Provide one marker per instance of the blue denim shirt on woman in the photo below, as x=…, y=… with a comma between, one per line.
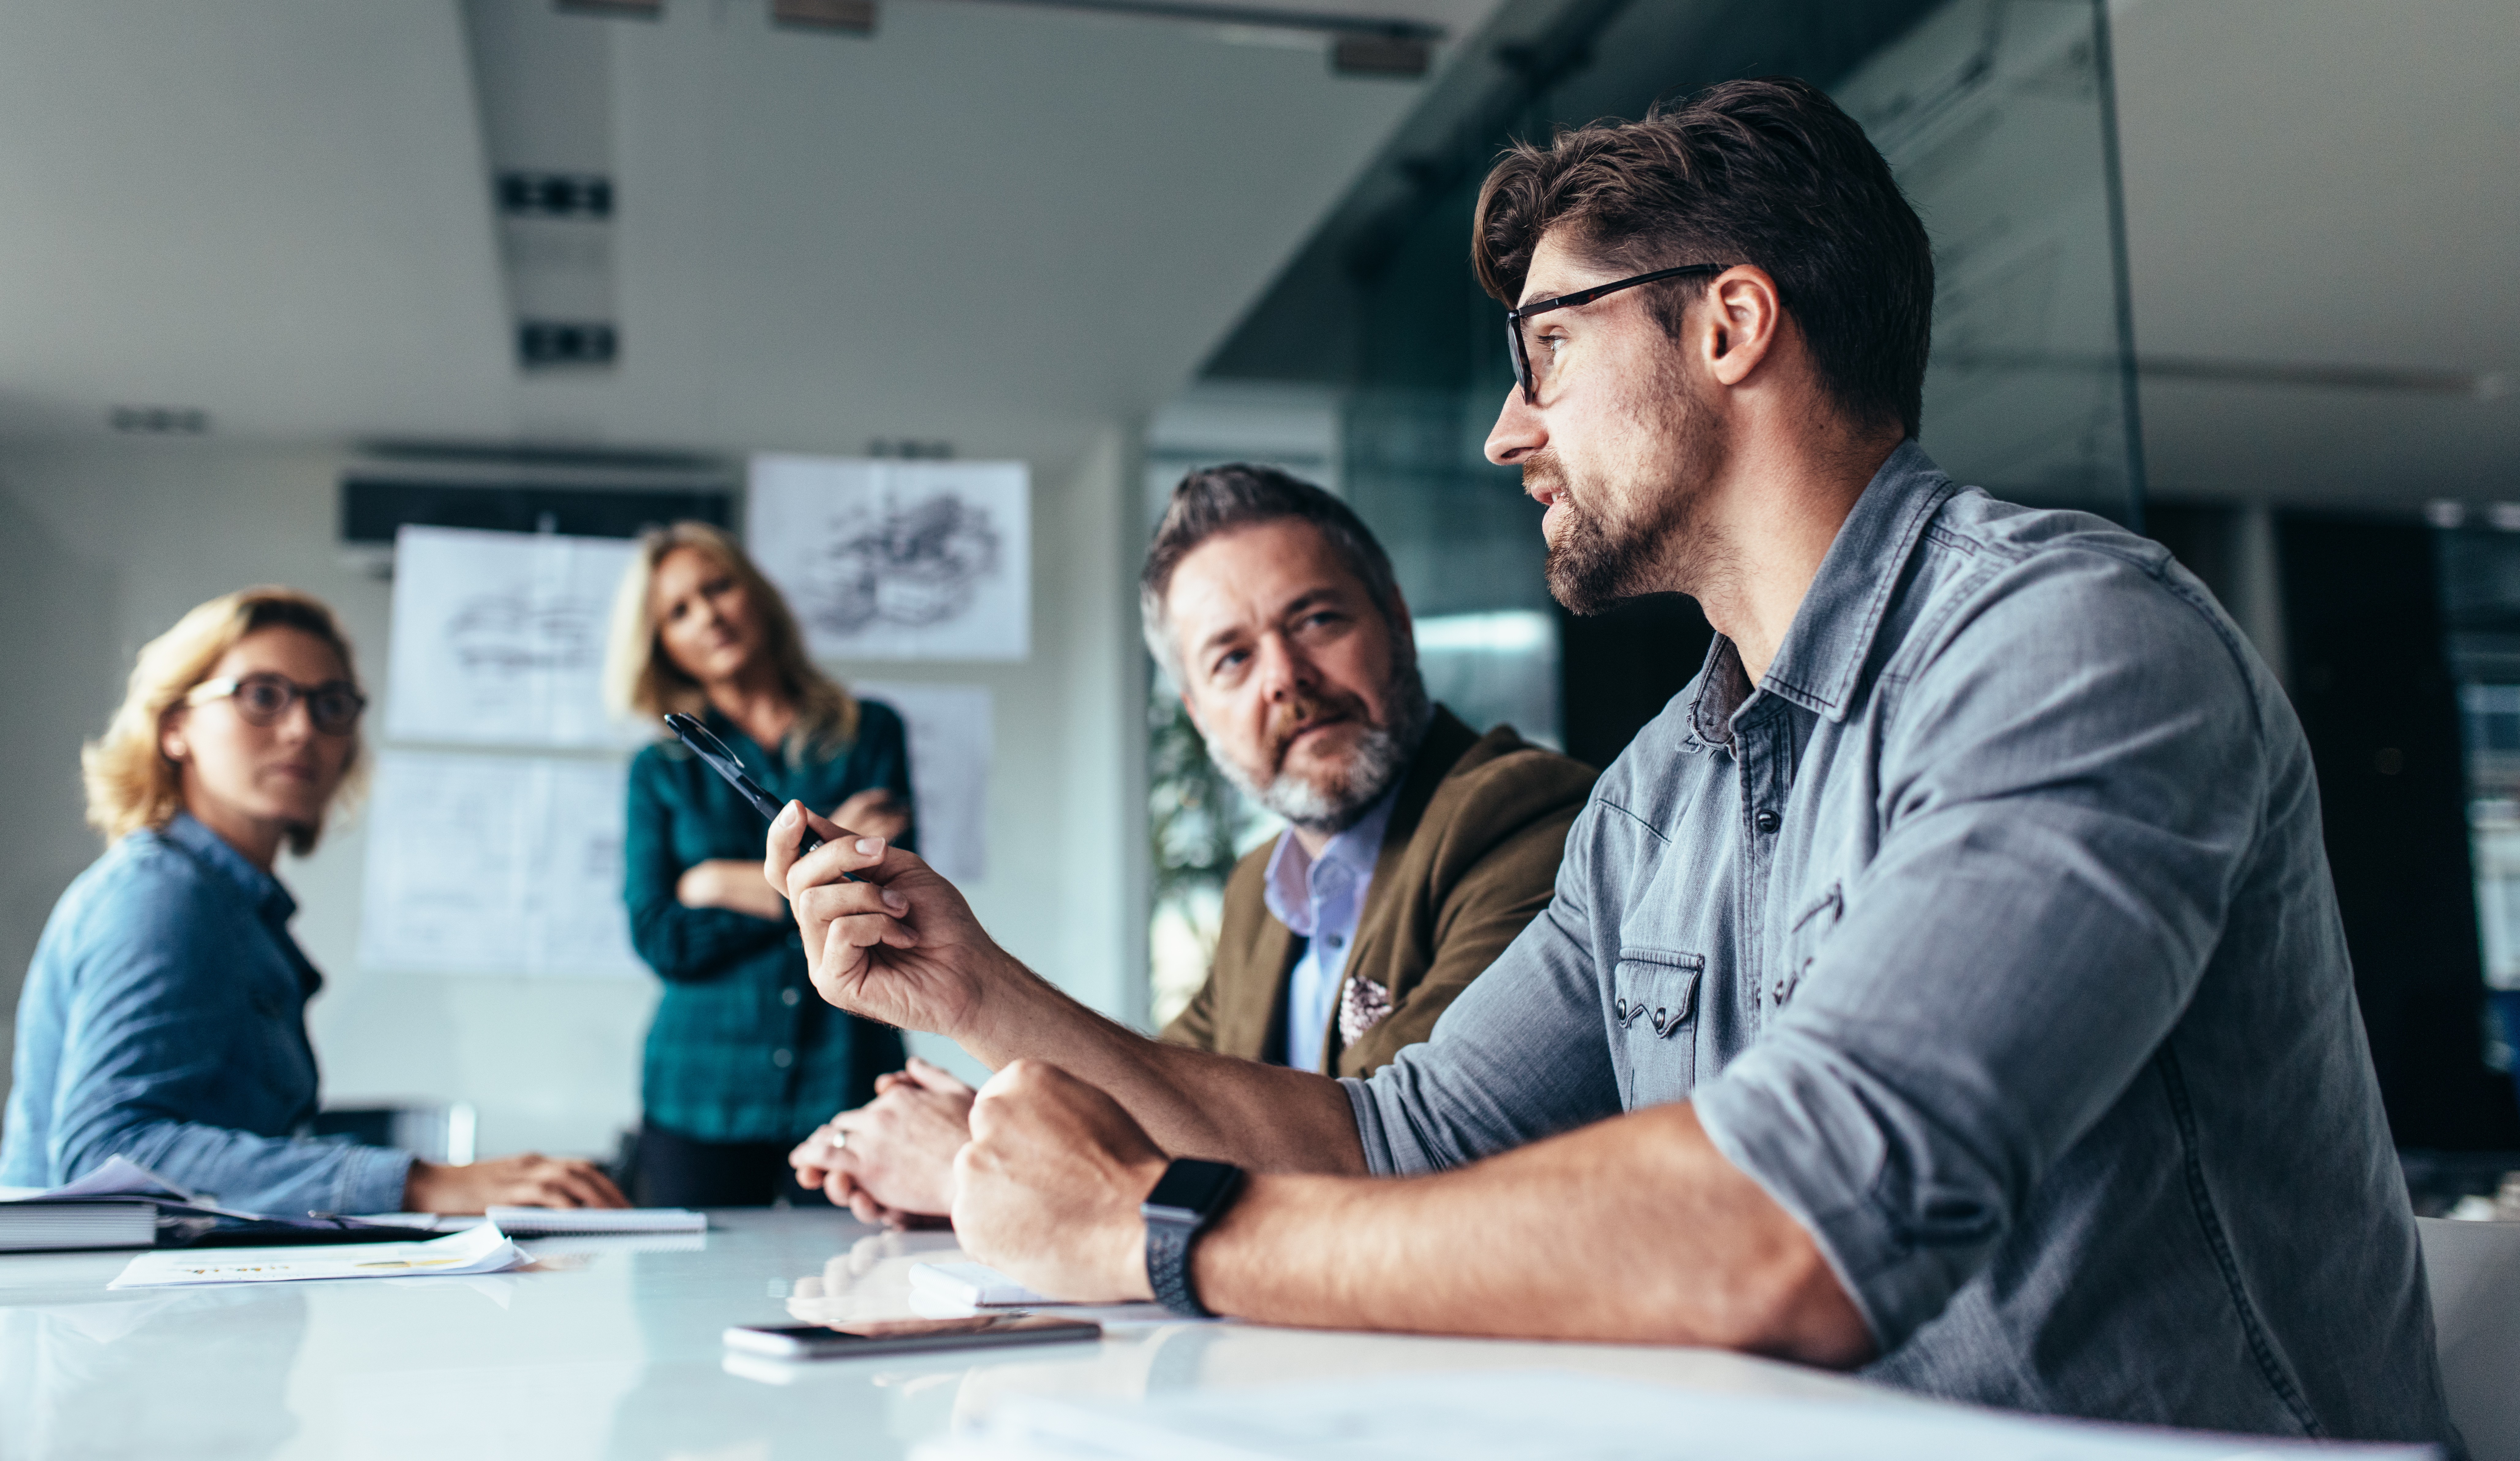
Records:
x=164, y=1020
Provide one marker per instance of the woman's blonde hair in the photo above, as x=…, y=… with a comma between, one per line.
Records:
x=131, y=783
x=639, y=679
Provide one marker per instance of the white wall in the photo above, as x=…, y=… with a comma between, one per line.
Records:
x=104, y=544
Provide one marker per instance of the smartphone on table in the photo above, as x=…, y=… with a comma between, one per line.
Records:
x=905, y=1336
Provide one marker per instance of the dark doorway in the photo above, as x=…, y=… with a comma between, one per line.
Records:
x=2372, y=684
x=1620, y=668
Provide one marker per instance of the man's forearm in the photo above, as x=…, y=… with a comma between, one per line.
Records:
x=1193, y=1103
x=1635, y=1229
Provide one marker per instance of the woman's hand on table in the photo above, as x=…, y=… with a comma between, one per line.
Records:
x=731, y=884
x=891, y=1161
x=528, y=1179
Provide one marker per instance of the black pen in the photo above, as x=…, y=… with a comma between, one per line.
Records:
x=711, y=749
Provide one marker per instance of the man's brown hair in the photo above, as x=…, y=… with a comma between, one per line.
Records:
x=1766, y=172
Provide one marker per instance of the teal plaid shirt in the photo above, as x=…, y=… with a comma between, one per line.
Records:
x=742, y=1048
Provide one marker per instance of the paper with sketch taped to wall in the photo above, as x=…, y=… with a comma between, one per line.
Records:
x=492, y=864
x=479, y=1250
x=498, y=638
x=884, y=560
x=1507, y=1415
x=950, y=735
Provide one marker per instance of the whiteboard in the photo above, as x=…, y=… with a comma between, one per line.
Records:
x=498, y=638
x=897, y=559
x=496, y=865
x=950, y=735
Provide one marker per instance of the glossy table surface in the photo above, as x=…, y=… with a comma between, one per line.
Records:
x=609, y=1347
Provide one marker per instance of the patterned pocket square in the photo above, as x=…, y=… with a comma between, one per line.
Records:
x=1362, y=1008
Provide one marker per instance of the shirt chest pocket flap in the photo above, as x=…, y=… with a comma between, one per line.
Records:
x=1654, y=1004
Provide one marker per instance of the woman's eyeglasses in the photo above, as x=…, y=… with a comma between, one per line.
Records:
x=333, y=706
x=1523, y=374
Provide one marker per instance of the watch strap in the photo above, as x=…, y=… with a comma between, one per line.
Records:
x=1168, y=1269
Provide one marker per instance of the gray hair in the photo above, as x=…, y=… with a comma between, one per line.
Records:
x=1217, y=500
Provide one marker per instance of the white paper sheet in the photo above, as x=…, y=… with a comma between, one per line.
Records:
x=972, y=1286
x=521, y=1223
x=897, y=559
x=480, y=1250
x=498, y=638
x=483, y=864
x=116, y=1176
x=951, y=734
x=1566, y=1416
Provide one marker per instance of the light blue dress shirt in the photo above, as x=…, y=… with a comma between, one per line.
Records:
x=164, y=1020
x=1321, y=898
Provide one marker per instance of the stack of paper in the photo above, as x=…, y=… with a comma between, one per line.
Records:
x=480, y=1250
x=115, y=1206
x=27, y=1226
x=527, y=1222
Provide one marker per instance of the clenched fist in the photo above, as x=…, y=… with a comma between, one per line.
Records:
x=1047, y=1189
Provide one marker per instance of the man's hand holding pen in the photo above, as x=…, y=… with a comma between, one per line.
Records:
x=886, y=936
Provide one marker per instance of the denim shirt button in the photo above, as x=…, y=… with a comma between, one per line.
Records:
x=1766, y=820
x=788, y=997
x=781, y=1058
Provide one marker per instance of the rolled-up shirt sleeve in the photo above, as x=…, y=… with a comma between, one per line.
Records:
x=2054, y=867
x=1520, y=1056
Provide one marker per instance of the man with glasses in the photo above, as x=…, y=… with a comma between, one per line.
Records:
x=1949, y=981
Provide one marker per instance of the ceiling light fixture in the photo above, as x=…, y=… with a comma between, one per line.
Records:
x=1360, y=45
x=851, y=17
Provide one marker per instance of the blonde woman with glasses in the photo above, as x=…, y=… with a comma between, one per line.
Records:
x=744, y=1060
x=164, y=1016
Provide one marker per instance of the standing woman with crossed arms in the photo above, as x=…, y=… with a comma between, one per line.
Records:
x=742, y=1061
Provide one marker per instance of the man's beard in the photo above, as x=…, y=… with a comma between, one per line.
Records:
x=1380, y=759
x=1662, y=543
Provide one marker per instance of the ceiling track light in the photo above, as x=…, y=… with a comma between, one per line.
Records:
x=1360, y=45
x=849, y=17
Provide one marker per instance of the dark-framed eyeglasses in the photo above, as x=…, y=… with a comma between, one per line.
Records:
x=262, y=698
x=1521, y=347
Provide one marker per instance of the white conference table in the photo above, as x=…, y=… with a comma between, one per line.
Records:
x=609, y=1347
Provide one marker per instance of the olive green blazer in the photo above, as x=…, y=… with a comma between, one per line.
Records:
x=1470, y=856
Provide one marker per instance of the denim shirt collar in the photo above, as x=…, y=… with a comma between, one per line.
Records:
x=1825, y=648
x=261, y=889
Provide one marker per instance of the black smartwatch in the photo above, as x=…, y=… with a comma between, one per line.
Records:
x=1186, y=1199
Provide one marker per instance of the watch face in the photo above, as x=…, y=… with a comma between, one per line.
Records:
x=1192, y=1188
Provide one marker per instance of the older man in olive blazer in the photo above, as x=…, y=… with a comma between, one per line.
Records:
x=1468, y=857
x=1416, y=849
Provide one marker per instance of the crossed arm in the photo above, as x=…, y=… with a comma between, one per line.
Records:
x=1632, y=1229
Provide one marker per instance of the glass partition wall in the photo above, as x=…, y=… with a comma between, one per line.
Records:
x=1997, y=118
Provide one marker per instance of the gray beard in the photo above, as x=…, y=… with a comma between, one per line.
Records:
x=1381, y=758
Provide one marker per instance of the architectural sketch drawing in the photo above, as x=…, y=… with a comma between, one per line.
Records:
x=951, y=732
x=494, y=864
x=897, y=559
x=498, y=638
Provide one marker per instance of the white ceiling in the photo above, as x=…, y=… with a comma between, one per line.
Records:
x=1003, y=225
x=2324, y=183
x=993, y=224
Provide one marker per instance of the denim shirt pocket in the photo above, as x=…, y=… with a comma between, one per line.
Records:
x=1653, y=1005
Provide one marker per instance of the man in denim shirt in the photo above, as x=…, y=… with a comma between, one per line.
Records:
x=1948, y=982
